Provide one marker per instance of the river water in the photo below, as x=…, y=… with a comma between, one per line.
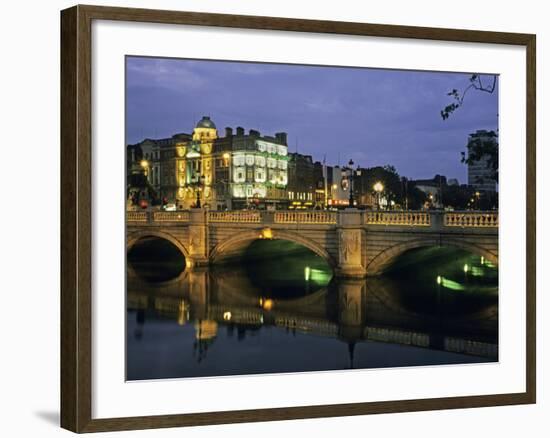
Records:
x=278, y=309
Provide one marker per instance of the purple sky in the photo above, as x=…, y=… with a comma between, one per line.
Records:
x=376, y=117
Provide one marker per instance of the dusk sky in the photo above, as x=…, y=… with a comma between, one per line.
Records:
x=376, y=117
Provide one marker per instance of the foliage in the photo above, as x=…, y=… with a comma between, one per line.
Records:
x=397, y=189
x=476, y=83
x=483, y=150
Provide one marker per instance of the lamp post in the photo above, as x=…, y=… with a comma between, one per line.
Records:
x=227, y=191
x=351, y=201
x=378, y=188
x=199, y=188
x=145, y=165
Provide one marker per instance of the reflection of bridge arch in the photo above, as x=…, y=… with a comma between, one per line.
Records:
x=241, y=238
x=175, y=283
x=382, y=291
x=386, y=257
x=146, y=233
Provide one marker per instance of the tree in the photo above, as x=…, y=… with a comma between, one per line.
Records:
x=416, y=198
x=476, y=83
x=486, y=149
x=477, y=149
x=458, y=197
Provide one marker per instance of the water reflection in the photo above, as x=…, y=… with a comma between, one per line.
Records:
x=278, y=317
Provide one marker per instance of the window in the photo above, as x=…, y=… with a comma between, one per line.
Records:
x=260, y=161
x=260, y=175
x=238, y=174
x=239, y=160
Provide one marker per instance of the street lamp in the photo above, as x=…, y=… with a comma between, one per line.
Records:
x=351, y=202
x=227, y=189
x=199, y=188
x=378, y=188
x=145, y=165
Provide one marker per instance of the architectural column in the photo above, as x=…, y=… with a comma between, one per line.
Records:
x=350, y=243
x=198, y=239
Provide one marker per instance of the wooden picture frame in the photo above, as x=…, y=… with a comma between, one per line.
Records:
x=76, y=217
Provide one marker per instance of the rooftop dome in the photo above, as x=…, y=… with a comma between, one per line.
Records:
x=205, y=122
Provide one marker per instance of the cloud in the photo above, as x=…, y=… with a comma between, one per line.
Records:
x=374, y=116
x=163, y=73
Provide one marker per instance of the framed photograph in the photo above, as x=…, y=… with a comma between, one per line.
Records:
x=270, y=218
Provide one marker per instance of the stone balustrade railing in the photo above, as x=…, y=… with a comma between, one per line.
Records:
x=243, y=216
x=136, y=216
x=455, y=219
x=171, y=216
x=407, y=218
x=305, y=217
x=471, y=219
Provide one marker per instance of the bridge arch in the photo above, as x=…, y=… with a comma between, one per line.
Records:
x=132, y=238
x=382, y=260
x=241, y=238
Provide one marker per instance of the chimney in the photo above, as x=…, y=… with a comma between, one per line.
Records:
x=281, y=136
x=240, y=130
x=228, y=131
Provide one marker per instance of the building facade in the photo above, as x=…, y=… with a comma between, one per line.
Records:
x=202, y=169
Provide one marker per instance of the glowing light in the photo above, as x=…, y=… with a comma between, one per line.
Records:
x=466, y=267
x=438, y=279
x=450, y=284
x=482, y=260
x=307, y=272
x=227, y=316
x=477, y=272
x=320, y=276
x=182, y=313
x=226, y=156
x=378, y=187
x=266, y=233
x=188, y=263
x=144, y=164
x=267, y=304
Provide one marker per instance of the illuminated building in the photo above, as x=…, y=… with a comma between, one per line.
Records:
x=231, y=172
x=251, y=169
x=302, y=184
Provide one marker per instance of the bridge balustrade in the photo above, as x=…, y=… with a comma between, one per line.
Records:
x=434, y=219
x=407, y=218
x=305, y=217
x=136, y=216
x=471, y=219
x=171, y=216
x=242, y=216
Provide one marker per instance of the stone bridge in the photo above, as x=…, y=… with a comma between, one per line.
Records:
x=354, y=243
